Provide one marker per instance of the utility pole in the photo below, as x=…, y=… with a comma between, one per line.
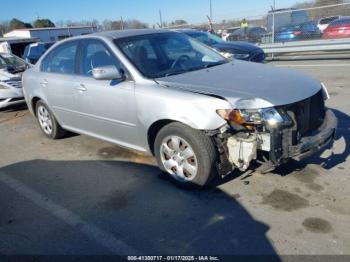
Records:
x=273, y=20
x=211, y=10
x=121, y=23
x=160, y=18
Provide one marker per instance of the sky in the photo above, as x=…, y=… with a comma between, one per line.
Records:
x=193, y=11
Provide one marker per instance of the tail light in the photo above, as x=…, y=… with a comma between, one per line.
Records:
x=297, y=33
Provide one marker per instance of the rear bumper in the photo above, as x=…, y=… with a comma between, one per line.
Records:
x=11, y=96
x=313, y=144
x=11, y=102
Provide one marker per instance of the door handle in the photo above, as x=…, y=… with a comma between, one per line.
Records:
x=44, y=83
x=81, y=88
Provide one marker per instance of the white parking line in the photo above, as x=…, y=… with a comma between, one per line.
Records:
x=94, y=233
x=315, y=65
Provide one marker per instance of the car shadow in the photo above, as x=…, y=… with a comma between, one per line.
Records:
x=129, y=201
x=330, y=161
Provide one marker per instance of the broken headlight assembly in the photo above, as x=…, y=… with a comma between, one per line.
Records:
x=251, y=117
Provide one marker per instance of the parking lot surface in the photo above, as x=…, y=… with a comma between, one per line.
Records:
x=80, y=195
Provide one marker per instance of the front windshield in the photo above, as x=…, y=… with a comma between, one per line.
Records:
x=206, y=38
x=7, y=60
x=164, y=54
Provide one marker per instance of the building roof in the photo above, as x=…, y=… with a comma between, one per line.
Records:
x=53, y=28
x=18, y=39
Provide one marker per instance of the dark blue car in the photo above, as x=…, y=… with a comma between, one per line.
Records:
x=237, y=49
x=34, y=51
x=304, y=31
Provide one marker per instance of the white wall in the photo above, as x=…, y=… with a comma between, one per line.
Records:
x=50, y=35
x=18, y=33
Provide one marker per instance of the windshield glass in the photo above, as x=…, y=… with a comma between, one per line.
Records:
x=206, y=38
x=7, y=60
x=164, y=54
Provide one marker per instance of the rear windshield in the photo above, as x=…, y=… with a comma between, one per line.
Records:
x=206, y=38
x=341, y=21
x=328, y=20
x=288, y=28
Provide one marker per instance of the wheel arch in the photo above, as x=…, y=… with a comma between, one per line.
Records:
x=153, y=131
x=33, y=103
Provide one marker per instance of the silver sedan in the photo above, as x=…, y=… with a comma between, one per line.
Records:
x=162, y=92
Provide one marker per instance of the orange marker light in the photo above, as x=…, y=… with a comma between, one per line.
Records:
x=235, y=116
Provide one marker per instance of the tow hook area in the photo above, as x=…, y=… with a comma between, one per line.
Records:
x=242, y=149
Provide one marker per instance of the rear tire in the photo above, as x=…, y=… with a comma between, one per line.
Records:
x=186, y=155
x=47, y=121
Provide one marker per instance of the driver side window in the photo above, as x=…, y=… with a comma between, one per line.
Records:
x=94, y=54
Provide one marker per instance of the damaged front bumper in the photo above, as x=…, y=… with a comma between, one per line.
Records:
x=313, y=144
x=273, y=146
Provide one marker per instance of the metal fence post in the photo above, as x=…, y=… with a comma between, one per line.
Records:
x=273, y=25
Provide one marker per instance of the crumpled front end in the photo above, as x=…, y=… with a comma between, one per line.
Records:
x=297, y=131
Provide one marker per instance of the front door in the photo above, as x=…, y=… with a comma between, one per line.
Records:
x=107, y=107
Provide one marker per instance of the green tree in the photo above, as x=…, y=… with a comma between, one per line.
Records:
x=39, y=23
x=18, y=24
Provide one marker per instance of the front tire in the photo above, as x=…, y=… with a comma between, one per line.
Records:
x=47, y=121
x=187, y=155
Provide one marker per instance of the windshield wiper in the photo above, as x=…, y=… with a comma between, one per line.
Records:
x=174, y=73
x=214, y=64
x=195, y=68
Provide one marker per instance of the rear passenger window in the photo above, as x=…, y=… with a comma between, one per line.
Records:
x=61, y=59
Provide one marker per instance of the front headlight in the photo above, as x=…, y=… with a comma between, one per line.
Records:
x=3, y=86
x=269, y=116
x=241, y=56
x=226, y=54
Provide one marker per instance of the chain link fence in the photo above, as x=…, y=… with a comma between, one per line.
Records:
x=284, y=25
x=314, y=23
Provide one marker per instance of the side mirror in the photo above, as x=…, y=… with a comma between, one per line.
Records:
x=109, y=72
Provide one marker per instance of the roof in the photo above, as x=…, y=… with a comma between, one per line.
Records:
x=186, y=30
x=130, y=32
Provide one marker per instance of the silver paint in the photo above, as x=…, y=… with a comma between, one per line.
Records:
x=123, y=113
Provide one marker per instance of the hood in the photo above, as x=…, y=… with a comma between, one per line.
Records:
x=5, y=75
x=237, y=46
x=247, y=85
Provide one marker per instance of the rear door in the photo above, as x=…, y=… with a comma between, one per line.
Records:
x=57, y=81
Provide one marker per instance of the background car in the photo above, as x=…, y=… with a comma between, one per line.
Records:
x=324, y=22
x=237, y=49
x=304, y=31
x=11, y=68
x=339, y=28
x=34, y=51
x=253, y=35
x=227, y=32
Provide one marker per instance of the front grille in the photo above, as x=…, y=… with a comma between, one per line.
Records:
x=16, y=84
x=309, y=115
